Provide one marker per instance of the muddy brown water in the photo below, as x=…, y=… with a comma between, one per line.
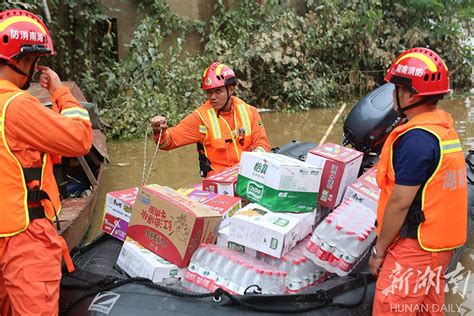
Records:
x=179, y=168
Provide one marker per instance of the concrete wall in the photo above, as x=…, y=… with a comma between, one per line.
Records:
x=126, y=12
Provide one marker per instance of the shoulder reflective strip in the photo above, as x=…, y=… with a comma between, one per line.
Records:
x=260, y=149
x=18, y=19
x=451, y=146
x=76, y=112
x=216, y=130
x=244, y=115
x=428, y=62
x=202, y=129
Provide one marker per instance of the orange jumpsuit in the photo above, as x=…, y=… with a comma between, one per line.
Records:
x=30, y=261
x=187, y=131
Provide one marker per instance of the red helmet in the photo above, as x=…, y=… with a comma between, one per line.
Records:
x=421, y=71
x=23, y=33
x=217, y=75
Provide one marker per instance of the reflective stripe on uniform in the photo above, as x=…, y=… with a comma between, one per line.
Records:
x=76, y=112
x=202, y=129
x=244, y=116
x=216, y=130
x=451, y=146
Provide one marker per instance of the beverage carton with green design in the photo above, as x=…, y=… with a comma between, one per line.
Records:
x=269, y=232
x=137, y=261
x=277, y=182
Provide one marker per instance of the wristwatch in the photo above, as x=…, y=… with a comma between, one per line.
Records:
x=375, y=253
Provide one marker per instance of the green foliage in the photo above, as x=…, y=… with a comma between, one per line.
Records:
x=284, y=59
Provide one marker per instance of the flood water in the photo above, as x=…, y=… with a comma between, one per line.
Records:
x=179, y=168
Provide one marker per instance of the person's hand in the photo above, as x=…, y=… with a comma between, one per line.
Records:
x=159, y=123
x=49, y=79
x=375, y=264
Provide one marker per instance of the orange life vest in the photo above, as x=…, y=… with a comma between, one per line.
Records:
x=14, y=216
x=224, y=146
x=444, y=196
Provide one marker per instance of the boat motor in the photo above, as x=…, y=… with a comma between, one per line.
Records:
x=371, y=120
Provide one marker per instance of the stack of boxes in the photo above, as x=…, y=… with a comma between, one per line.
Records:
x=165, y=226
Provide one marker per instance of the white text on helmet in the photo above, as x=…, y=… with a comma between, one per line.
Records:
x=413, y=71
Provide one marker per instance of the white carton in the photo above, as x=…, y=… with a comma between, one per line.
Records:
x=277, y=182
x=137, y=261
x=364, y=190
x=340, y=167
x=307, y=223
x=223, y=242
x=263, y=230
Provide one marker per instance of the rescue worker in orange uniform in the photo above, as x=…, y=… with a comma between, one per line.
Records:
x=422, y=211
x=31, y=135
x=223, y=127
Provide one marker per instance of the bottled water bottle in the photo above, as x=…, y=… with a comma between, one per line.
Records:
x=190, y=279
x=295, y=282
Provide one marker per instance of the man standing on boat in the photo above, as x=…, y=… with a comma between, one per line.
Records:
x=223, y=127
x=422, y=211
x=31, y=134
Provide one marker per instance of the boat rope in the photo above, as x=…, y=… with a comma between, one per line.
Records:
x=323, y=297
x=145, y=180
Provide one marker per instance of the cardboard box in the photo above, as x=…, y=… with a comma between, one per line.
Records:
x=225, y=205
x=223, y=242
x=269, y=232
x=307, y=223
x=114, y=226
x=137, y=261
x=277, y=182
x=117, y=212
x=222, y=183
x=365, y=190
x=340, y=168
x=170, y=224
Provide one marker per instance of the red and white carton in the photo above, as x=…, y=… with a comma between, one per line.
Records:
x=170, y=224
x=225, y=205
x=117, y=212
x=365, y=190
x=340, y=168
x=222, y=183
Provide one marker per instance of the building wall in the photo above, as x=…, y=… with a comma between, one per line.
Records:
x=126, y=12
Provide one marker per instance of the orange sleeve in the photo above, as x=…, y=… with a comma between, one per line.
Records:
x=185, y=133
x=67, y=134
x=259, y=136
